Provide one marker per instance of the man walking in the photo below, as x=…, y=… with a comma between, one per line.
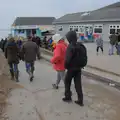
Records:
x=29, y=52
x=12, y=55
x=76, y=59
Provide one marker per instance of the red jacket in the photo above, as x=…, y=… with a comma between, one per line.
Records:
x=59, y=56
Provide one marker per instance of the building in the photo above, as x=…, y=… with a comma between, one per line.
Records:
x=104, y=21
x=26, y=26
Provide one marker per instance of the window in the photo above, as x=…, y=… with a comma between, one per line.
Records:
x=60, y=28
x=71, y=29
x=98, y=30
x=76, y=29
x=118, y=30
x=112, y=31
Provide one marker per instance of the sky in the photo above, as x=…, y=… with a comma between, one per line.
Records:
x=10, y=9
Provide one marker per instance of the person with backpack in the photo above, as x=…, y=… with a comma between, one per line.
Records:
x=76, y=59
x=59, y=58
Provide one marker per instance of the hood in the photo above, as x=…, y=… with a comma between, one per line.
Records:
x=71, y=37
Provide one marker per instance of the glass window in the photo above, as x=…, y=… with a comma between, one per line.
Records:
x=117, y=26
x=114, y=26
x=110, y=26
x=118, y=30
x=98, y=30
x=71, y=29
x=60, y=28
x=112, y=31
x=76, y=29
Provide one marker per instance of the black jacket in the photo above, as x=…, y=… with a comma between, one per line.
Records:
x=70, y=60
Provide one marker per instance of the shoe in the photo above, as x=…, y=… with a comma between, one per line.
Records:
x=67, y=99
x=31, y=78
x=79, y=103
x=55, y=86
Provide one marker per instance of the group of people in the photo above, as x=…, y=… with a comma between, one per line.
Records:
x=114, y=43
x=17, y=50
x=71, y=57
x=68, y=61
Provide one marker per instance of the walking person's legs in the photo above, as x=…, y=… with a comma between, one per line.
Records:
x=28, y=70
x=11, y=70
x=60, y=76
x=97, y=49
x=16, y=72
x=78, y=87
x=68, y=80
x=101, y=49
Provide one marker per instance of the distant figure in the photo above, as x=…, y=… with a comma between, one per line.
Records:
x=99, y=42
x=58, y=58
x=113, y=40
x=29, y=52
x=1, y=44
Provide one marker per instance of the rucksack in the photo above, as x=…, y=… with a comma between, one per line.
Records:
x=80, y=55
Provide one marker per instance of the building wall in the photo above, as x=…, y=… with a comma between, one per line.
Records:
x=105, y=28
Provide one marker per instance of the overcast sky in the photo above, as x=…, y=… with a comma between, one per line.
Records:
x=10, y=9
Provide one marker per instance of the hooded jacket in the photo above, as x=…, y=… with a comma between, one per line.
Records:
x=12, y=52
x=59, y=56
x=70, y=60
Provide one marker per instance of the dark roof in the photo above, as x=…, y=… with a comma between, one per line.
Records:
x=108, y=13
x=33, y=21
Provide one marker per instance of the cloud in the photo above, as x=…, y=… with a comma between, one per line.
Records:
x=9, y=9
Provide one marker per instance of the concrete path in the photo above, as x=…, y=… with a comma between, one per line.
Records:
x=38, y=101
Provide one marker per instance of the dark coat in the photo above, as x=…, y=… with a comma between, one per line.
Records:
x=29, y=51
x=69, y=62
x=12, y=52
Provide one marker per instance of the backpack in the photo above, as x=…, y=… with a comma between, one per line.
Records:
x=80, y=55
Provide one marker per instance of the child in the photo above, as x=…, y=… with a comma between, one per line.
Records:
x=59, y=58
x=99, y=42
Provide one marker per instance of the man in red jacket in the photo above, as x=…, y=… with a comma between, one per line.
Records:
x=59, y=58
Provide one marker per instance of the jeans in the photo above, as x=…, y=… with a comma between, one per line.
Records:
x=29, y=67
x=76, y=74
x=14, y=70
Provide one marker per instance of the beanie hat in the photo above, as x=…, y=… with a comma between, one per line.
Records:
x=56, y=37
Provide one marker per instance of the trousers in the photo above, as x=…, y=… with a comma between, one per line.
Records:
x=30, y=67
x=76, y=75
x=60, y=76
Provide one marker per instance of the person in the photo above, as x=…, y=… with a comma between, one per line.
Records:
x=1, y=44
x=113, y=40
x=12, y=55
x=59, y=58
x=75, y=60
x=29, y=51
x=45, y=42
x=19, y=43
x=99, y=42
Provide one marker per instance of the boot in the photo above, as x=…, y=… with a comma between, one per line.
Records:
x=17, y=76
x=79, y=103
x=12, y=75
x=66, y=99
